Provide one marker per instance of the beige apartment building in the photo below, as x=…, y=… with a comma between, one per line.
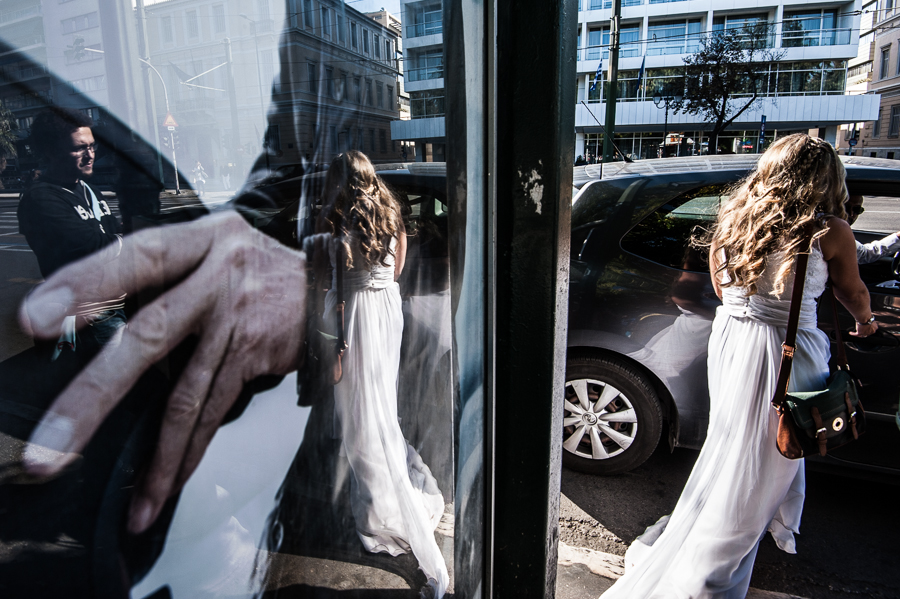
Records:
x=881, y=138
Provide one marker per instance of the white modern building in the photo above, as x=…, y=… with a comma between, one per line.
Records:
x=807, y=87
x=423, y=69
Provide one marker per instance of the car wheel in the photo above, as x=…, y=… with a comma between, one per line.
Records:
x=612, y=419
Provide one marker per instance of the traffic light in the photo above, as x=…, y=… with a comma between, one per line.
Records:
x=166, y=141
x=176, y=140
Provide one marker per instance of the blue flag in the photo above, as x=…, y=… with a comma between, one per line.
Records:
x=641, y=73
x=597, y=75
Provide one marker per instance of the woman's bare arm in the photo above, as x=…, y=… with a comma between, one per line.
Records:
x=839, y=250
x=400, y=255
x=714, y=264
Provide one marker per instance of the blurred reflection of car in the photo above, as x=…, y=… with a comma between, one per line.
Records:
x=641, y=306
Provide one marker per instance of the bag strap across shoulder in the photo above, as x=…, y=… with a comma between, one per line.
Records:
x=790, y=338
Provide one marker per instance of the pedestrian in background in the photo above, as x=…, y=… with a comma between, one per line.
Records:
x=741, y=486
x=64, y=219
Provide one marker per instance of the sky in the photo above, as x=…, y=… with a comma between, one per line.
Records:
x=392, y=6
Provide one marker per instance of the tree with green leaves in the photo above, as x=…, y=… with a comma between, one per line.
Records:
x=728, y=76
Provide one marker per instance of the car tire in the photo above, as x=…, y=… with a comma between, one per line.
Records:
x=622, y=424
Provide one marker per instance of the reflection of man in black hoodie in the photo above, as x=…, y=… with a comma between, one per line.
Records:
x=64, y=219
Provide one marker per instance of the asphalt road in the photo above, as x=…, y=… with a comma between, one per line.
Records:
x=848, y=546
x=881, y=215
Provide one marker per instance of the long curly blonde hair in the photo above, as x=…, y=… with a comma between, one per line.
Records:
x=358, y=208
x=776, y=208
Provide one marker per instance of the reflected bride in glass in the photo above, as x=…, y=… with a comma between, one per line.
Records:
x=395, y=500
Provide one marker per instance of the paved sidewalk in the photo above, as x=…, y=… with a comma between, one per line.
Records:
x=584, y=573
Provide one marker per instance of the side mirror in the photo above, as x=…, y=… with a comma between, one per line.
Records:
x=895, y=266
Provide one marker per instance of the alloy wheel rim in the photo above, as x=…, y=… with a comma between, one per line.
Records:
x=599, y=421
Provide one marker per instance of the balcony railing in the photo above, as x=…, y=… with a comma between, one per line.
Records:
x=815, y=37
x=601, y=4
x=420, y=29
x=674, y=44
x=425, y=74
x=15, y=15
x=595, y=52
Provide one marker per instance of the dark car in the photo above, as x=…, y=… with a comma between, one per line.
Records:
x=641, y=306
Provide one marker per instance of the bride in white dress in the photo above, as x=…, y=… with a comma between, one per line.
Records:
x=741, y=486
x=395, y=500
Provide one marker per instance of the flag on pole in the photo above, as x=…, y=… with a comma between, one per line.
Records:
x=641, y=74
x=597, y=75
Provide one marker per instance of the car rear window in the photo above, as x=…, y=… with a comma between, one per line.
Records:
x=664, y=236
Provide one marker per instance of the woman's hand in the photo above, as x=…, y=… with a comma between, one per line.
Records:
x=241, y=292
x=864, y=330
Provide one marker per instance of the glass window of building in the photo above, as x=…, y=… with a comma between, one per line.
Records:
x=894, y=128
x=312, y=77
x=166, y=26
x=815, y=27
x=326, y=22
x=353, y=36
x=219, y=18
x=885, y=62
x=329, y=82
x=673, y=37
x=308, y=14
x=427, y=20
x=754, y=28
x=193, y=26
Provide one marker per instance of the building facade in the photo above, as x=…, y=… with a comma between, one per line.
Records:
x=806, y=87
x=880, y=137
x=423, y=60
x=307, y=83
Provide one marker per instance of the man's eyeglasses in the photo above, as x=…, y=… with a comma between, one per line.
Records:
x=82, y=150
x=855, y=210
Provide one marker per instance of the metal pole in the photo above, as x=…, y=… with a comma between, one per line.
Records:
x=665, y=128
x=612, y=81
x=171, y=134
x=232, y=100
x=145, y=78
x=262, y=107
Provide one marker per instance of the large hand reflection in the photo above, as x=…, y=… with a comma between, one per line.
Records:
x=239, y=291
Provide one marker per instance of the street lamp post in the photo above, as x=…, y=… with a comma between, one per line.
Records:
x=171, y=134
x=262, y=108
x=675, y=102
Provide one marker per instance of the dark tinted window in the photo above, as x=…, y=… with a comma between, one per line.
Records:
x=664, y=236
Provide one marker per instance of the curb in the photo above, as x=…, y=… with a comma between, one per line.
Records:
x=610, y=566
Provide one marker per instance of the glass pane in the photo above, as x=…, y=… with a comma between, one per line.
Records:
x=191, y=153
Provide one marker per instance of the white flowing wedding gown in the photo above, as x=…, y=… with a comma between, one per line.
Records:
x=740, y=486
x=395, y=500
